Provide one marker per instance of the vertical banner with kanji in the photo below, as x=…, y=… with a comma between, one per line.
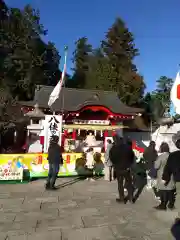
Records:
x=52, y=127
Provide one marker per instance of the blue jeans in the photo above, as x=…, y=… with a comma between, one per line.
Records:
x=52, y=174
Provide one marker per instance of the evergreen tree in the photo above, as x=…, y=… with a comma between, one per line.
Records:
x=119, y=49
x=25, y=60
x=100, y=74
x=81, y=65
x=162, y=92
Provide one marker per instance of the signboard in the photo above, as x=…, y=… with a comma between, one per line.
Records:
x=52, y=127
x=11, y=170
x=92, y=122
x=37, y=164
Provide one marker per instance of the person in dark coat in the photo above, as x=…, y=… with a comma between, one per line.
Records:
x=55, y=160
x=150, y=155
x=122, y=158
x=173, y=165
x=172, y=168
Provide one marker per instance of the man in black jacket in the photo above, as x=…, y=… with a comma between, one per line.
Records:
x=173, y=167
x=122, y=158
x=55, y=160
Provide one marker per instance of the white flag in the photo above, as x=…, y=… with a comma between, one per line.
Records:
x=175, y=92
x=56, y=91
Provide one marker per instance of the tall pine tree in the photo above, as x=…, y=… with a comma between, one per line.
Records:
x=81, y=65
x=119, y=48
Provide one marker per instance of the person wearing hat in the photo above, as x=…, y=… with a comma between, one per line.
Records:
x=55, y=160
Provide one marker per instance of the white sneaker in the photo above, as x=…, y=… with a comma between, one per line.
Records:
x=148, y=187
x=158, y=199
x=92, y=180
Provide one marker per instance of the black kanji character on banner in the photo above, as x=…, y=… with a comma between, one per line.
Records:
x=53, y=125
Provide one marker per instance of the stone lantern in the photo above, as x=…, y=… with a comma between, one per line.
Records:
x=36, y=121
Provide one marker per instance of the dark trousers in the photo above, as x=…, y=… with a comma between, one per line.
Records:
x=124, y=178
x=111, y=173
x=156, y=192
x=140, y=181
x=52, y=174
x=114, y=174
x=168, y=198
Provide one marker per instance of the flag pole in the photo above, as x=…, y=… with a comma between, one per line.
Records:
x=64, y=79
x=65, y=60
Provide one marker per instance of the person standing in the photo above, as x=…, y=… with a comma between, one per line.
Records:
x=150, y=155
x=109, y=174
x=166, y=191
x=55, y=160
x=90, y=163
x=172, y=168
x=122, y=158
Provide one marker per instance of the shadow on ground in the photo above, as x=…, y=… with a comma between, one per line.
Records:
x=75, y=180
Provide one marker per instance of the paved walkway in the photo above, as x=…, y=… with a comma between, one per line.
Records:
x=79, y=210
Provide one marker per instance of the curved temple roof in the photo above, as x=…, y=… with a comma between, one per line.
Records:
x=73, y=100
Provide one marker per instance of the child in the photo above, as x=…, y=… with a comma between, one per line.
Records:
x=90, y=163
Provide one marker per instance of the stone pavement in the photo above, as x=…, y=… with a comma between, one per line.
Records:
x=80, y=210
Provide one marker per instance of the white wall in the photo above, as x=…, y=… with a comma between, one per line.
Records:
x=164, y=134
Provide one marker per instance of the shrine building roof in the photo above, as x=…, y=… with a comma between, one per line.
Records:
x=73, y=100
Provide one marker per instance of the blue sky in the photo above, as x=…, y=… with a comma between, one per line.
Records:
x=155, y=24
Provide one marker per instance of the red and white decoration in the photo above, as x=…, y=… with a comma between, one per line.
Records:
x=175, y=94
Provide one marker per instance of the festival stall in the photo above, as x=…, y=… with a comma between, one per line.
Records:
x=13, y=165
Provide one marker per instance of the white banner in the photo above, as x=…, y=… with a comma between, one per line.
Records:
x=52, y=127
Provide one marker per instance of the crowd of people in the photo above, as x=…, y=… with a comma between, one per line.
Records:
x=157, y=170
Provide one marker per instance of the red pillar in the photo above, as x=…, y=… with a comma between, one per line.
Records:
x=74, y=134
x=65, y=132
x=42, y=140
x=105, y=133
x=113, y=133
x=63, y=139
